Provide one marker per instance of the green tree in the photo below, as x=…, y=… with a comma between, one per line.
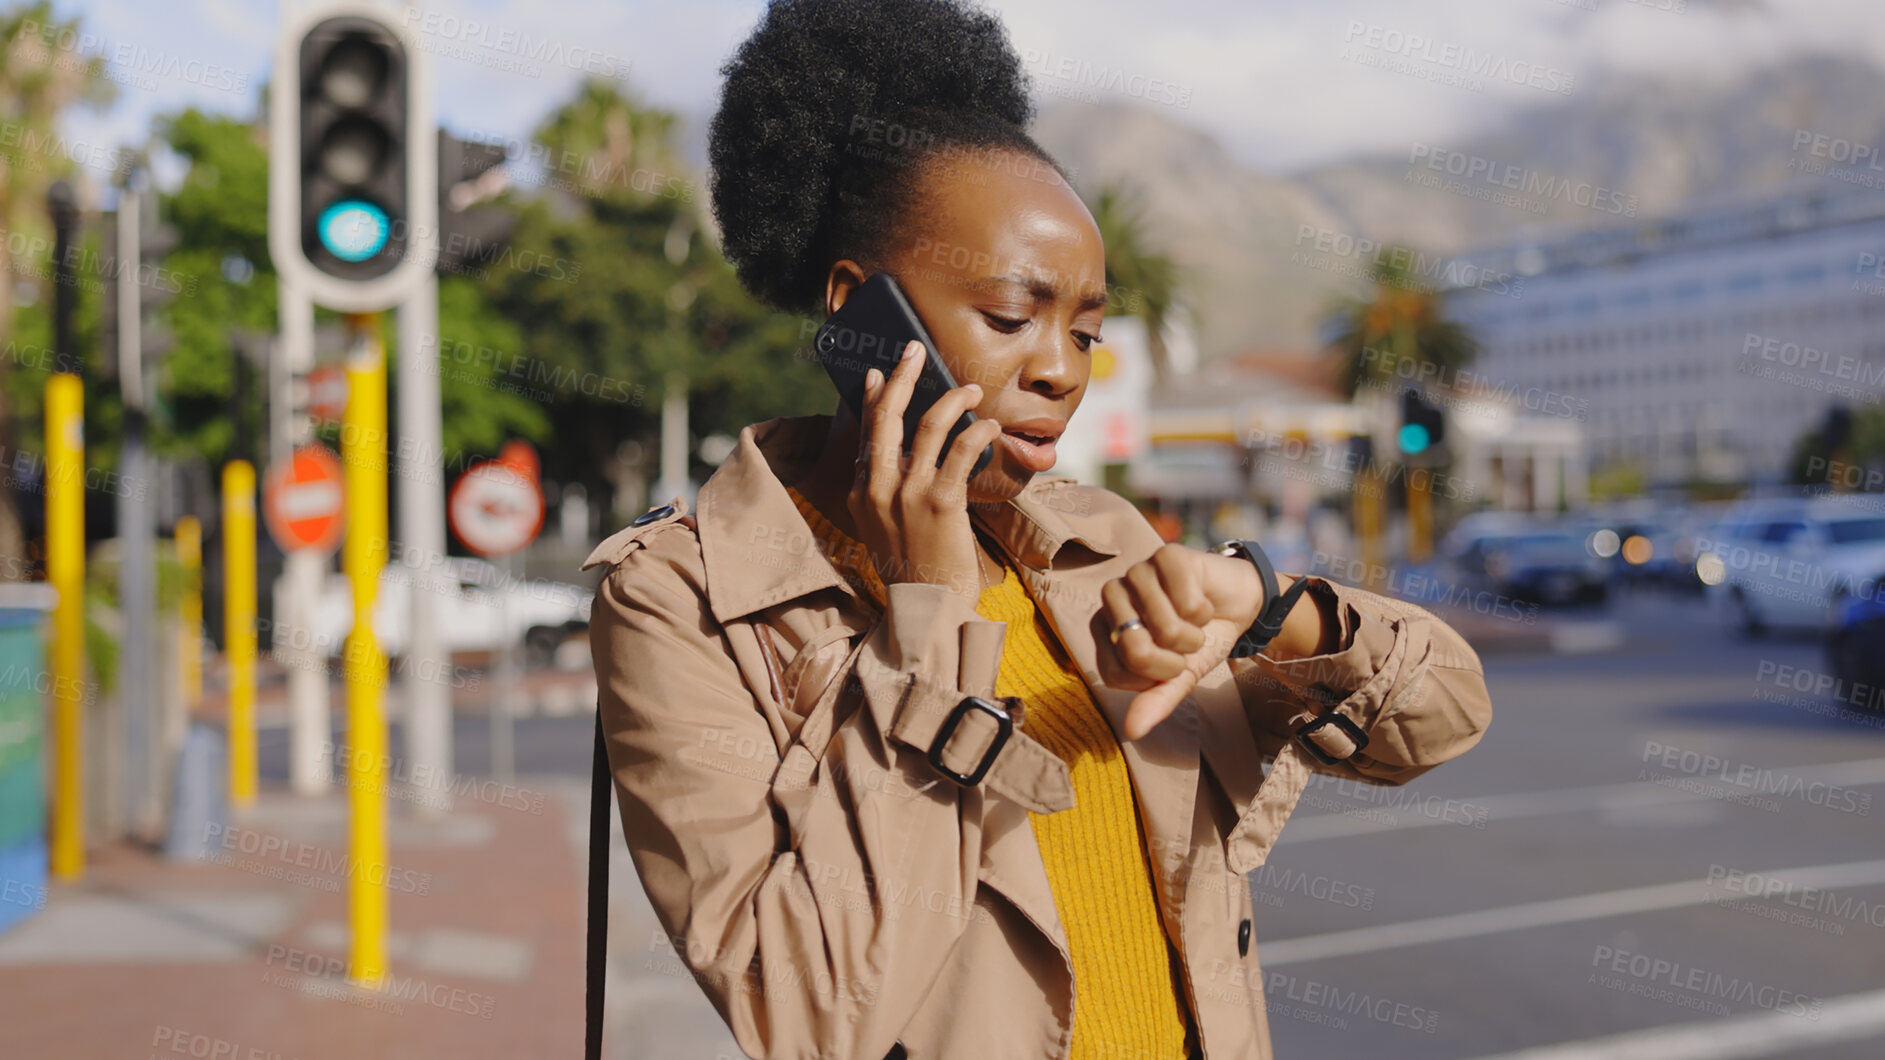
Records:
x=1140, y=281
x=1401, y=327
x=613, y=289
x=41, y=76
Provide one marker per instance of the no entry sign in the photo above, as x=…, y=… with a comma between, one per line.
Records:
x=301, y=501
x=496, y=507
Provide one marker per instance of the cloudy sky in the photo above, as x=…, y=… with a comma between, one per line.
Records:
x=1283, y=83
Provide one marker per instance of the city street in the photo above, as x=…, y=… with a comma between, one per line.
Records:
x=1563, y=898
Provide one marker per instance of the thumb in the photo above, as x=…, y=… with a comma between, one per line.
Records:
x=1157, y=703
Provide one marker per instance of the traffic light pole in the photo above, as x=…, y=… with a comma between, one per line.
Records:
x=137, y=527
x=425, y=689
x=309, y=711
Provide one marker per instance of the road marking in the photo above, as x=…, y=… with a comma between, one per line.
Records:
x=1755, y=1034
x=1555, y=911
x=1366, y=821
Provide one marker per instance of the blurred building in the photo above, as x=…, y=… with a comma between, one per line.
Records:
x=1694, y=346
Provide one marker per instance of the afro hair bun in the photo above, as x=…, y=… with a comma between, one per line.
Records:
x=815, y=72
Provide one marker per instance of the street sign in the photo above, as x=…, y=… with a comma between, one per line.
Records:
x=327, y=392
x=496, y=507
x=301, y=501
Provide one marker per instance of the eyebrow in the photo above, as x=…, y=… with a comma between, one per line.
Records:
x=1040, y=288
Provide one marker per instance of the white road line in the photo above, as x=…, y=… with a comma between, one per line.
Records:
x=1556, y=911
x=1744, y=1037
x=1366, y=820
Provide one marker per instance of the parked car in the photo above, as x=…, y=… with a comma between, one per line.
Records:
x=1783, y=563
x=481, y=610
x=1541, y=563
x=1855, y=648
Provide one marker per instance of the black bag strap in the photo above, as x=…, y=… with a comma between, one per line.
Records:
x=601, y=790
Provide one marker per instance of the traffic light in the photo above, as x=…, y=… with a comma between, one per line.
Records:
x=470, y=233
x=353, y=209
x=1423, y=425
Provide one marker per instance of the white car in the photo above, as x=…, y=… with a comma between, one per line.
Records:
x=1783, y=562
x=478, y=610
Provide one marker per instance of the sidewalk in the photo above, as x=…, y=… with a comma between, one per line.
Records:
x=244, y=954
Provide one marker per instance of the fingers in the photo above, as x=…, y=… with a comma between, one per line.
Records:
x=934, y=427
x=1154, y=705
x=1146, y=584
x=953, y=476
x=885, y=428
x=1137, y=648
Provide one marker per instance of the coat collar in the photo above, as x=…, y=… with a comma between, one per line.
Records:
x=760, y=551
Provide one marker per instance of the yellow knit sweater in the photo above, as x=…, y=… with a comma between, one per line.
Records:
x=1129, y=1002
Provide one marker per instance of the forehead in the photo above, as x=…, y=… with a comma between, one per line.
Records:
x=1006, y=213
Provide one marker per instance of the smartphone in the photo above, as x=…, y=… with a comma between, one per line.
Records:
x=869, y=331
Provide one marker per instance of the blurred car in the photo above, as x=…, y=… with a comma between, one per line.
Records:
x=1638, y=550
x=482, y=610
x=1855, y=647
x=1785, y=563
x=1540, y=563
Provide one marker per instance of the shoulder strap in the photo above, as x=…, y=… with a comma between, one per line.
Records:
x=601, y=789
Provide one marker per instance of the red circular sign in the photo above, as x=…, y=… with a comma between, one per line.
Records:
x=496, y=507
x=302, y=501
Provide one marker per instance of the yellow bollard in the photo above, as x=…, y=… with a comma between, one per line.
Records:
x=239, y=625
x=363, y=456
x=189, y=542
x=65, y=571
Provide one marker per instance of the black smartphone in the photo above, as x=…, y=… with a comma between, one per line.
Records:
x=869, y=331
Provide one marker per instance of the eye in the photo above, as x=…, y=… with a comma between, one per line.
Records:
x=1003, y=324
x=1086, y=340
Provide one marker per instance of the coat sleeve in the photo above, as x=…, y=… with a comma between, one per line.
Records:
x=797, y=912
x=1405, y=679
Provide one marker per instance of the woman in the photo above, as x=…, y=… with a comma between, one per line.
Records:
x=855, y=855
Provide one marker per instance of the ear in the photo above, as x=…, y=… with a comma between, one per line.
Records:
x=844, y=277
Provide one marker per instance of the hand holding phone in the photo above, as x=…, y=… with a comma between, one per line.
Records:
x=871, y=330
x=912, y=512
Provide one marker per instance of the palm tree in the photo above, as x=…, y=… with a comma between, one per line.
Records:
x=1403, y=323
x=608, y=142
x=41, y=74
x=1140, y=282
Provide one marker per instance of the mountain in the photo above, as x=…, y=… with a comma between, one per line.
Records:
x=1631, y=145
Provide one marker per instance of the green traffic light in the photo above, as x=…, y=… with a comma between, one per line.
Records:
x=1413, y=438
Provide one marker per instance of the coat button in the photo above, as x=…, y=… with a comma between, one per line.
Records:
x=652, y=514
x=1243, y=938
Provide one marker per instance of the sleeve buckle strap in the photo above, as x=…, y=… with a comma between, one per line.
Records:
x=1004, y=726
x=1329, y=747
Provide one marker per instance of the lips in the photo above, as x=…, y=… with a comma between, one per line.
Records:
x=1032, y=442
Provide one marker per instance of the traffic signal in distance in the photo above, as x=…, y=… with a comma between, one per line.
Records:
x=355, y=128
x=470, y=232
x=1423, y=424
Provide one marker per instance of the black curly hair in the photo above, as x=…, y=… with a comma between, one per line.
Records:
x=830, y=113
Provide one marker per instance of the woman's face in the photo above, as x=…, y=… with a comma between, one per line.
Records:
x=1005, y=266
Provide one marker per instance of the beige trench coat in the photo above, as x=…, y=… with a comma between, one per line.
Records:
x=837, y=896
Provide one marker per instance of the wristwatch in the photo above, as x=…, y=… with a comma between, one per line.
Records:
x=1276, y=607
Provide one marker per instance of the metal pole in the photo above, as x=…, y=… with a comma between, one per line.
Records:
x=425, y=691
x=310, y=721
x=503, y=744
x=65, y=570
x=363, y=454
